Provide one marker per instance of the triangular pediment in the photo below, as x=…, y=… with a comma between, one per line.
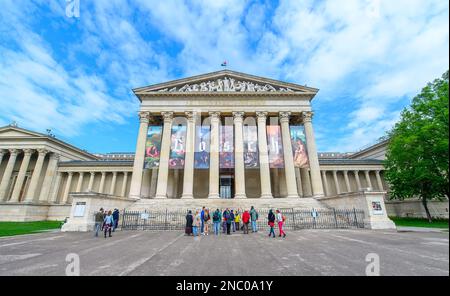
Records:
x=225, y=81
x=14, y=132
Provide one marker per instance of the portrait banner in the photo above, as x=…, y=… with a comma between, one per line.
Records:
x=202, y=144
x=177, y=147
x=251, y=156
x=153, y=147
x=226, y=147
x=275, y=146
x=298, y=140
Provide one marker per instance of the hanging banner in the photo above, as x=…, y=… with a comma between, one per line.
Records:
x=226, y=147
x=275, y=146
x=251, y=157
x=177, y=147
x=298, y=140
x=153, y=147
x=202, y=144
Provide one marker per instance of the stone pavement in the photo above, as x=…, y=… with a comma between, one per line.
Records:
x=306, y=252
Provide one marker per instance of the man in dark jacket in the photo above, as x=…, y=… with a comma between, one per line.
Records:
x=116, y=215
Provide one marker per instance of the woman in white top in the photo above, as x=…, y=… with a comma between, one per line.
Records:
x=280, y=220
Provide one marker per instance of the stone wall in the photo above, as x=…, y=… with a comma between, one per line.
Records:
x=414, y=208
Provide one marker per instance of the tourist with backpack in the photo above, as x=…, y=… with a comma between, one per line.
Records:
x=237, y=220
x=217, y=217
x=206, y=221
x=271, y=218
x=281, y=219
x=254, y=218
x=228, y=220
x=245, y=221
x=98, y=221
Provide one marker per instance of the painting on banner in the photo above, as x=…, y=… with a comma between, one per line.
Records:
x=177, y=147
x=275, y=146
x=202, y=143
x=153, y=147
x=298, y=140
x=251, y=157
x=226, y=147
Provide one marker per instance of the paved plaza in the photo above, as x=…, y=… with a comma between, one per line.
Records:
x=307, y=252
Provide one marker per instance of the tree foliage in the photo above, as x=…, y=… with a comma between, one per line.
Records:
x=417, y=158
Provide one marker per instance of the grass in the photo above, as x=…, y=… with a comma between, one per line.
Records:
x=18, y=228
x=420, y=222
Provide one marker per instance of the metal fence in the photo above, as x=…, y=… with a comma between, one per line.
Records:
x=295, y=219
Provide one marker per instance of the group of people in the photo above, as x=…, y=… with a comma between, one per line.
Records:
x=231, y=221
x=106, y=221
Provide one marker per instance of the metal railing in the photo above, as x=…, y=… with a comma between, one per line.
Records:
x=175, y=220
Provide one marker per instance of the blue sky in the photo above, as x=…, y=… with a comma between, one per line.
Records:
x=75, y=75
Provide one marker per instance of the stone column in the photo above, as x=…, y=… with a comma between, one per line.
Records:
x=325, y=181
x=289, y=168
x=30, y=196
x=316, y=182
x=298, y=178
x=49, y=176
x=21, y=175
x=2, y=153
x=55, y=190
x=306, y=182
x=188, y=177
x=91, y=181
x=124, y=184
x=239, y=166
x=266, y=189
x=67, y=188
x=380, y=183
x=347, y=181
x=358, y=182
x=214, y=156
x=336, y=182
x=163, y=171
x=138, y=166
x=153, y=182
x=80, y=182
x=113, y=184
x=7, y=174
x=102, y=183
x=369, y=183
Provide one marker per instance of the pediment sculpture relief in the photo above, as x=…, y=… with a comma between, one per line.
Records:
x=226, y=85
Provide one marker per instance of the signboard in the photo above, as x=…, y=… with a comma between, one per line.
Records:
x=298, y=140
x=275, y=146
x=226, y=147
x=80, y=208
x=251, y=157
x=377, y=209
x=177, y=147
x=202, y=144
x=145, y=216
x=153, y=147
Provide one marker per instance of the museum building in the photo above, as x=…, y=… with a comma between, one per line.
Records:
x=219, y=139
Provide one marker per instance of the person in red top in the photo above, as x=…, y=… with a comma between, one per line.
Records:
x=246, y=220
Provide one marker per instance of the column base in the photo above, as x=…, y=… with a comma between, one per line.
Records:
x=293, y=196
x=187, y=196
x=214, y=196
x=266, y=196
x=240, y=196
x=160, y=197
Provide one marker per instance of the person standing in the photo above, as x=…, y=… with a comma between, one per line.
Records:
x=245, y=221
x=271, y=218
x=116, y=215
x=189, y=222
x=237, y=220
x=232, y=217
x=281, y=219
x=202, y=216
x=254, y=218
x=217, y=217
x=98, y=221
x=207, y=221
x=224, y=222
x=108, y=223
x=197, y=223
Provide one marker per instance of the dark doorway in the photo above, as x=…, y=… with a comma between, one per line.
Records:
x=226, y=186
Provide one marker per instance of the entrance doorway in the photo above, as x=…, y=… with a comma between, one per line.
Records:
x=226, y=186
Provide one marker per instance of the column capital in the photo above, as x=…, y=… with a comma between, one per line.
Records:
x=307, y=116
x=125, y=173
x=70, y=174
x=13, y=151
x=114, y=173
x=42, y=151
x=103, y=173
x=214, y=114
x=27, y=151
x=55, y=156
x=261, y=115
x=92, y=173
x=238, y=116
x=167, y=116
x=190, y=115
x=284, y=116
x=144, y=117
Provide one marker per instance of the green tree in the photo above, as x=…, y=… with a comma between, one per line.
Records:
x=417, y=157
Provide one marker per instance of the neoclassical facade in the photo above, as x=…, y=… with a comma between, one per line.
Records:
x=218, y=138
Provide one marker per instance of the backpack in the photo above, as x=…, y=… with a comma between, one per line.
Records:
x=216, y=216
x=206, y=217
